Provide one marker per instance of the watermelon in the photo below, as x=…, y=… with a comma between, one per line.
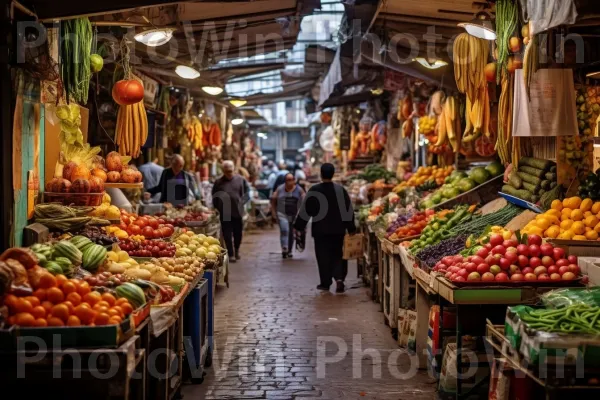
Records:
x=53, y=267
x=64, y=248
x=93, y=256
x=79, y=241
x=133, y=293
x=64, y=262
x=41, y=258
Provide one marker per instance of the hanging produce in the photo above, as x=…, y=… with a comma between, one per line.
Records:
x=531, y=62
x=194, y=133
x=507, y=18
x=127, y=92
x=75, y=69
x=131, y=129
x=470, y=59
x=505, y=112
x=96, y=63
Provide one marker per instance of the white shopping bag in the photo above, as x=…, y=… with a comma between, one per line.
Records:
x=550, y=109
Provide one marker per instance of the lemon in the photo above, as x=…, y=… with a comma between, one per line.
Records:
x=552, y=232
x=566, y=224
x=586, y=205
x=558, y=205
x=576, y=215
x=554, y=212
x=567, y=235
x=591, y=235
x=578, y=228
x=543, y=223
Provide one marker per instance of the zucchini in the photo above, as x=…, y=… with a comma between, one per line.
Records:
x=550, y=176
x=546, y=184
x=538, y=173
x=515, y=181
x=529, y=178
x=553, y=184
x=521, y=194
x=531, y=188
x=553, y=169
x=541, y=193
x=544, y=165
x=534, y=198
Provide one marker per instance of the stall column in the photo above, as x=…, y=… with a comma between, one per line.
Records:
x=6, y=113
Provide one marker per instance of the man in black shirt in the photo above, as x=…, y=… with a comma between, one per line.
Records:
x=176, y=186
x=329, y=206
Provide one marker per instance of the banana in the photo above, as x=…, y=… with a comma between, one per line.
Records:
x=448, y=118
x=144, y=118
x=486, y=114
x=442, y=132
x=136, y=130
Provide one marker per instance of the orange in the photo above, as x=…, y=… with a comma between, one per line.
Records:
x=127, y=308
x=587, y=214
x=74, y=298
x=24, y=319
x=40, y=294
x=578, y=228
x=119, y=309
x=109, y=298
x=47, y=281
x=40, y=322
x=121, y=301
x=557, y=205
x=60, y=279
x=101, y=319
x=92, y=298
x=55, y=295
x=112, y=312
x=73, y=321
x=47, y=306
x=591, y=235
x=12, y=320
x=23, y=306
x=102, y=303
x=33, y=300
x=11, y=301
x=61, y=311
x=579, y=237
x=85, y=314
x=566, y=224
x=53, y=321
x=69, y=287
x=39, y=312
x=83, y=289
x=101, y=309
x=114, y=321
x=576, y=215
x=591, y=221
x=596, y=207
x=586, y=205
x=69, y=306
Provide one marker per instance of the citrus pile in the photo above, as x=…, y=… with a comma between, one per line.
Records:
x=424, y=174
x=572, y=219
x=58, y=301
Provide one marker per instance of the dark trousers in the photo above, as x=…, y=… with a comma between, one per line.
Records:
x=329, y=252
x=232, y=235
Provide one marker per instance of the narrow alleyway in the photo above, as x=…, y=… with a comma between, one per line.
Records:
x=277, y=337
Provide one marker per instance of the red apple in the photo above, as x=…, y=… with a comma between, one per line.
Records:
x=470, y=258
x=558, y=253
x=510, y=243
x=504, y=264
x=460, y=279
x=471, y=267
x=483, y=268
x=516, y=277
x=535, y=262
x=534, y=250
x=458, y=258
x=490, y=260
x=523, y=249
x=534, y=239
x=555, y=277
x=562, y=262
x=448, y=260
x=540, y=270
x=514, y=269
x=474, y=276
x=553, y=269
x=527, y=270
x=496, y=239
x=547, y=249
x=531, y=277
x=483, y=252
x=477, y=260
x=543, y=278
x=547, y=261
x=463, y=272
x=501, y=277
x=495, y=269
x=523, y=261
x=488, y=246
x=511, y=256
x=499, y=250
x=572, y=259
x=448, y=275
x=574, y=269
x=568, y=276
x=563, y=270
x=488, y=277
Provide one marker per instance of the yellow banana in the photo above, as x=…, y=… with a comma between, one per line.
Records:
x=442, y=128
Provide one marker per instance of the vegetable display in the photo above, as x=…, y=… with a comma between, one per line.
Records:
x=578, y=318
x=591, y=186
x=432, y=254
x=75, y=51
x=438, y=228
x=479, y=223
x=132, y=129
x=413, y=226
x=532, y=180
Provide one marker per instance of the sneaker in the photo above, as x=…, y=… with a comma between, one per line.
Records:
x=340, y=287
x=323, y=287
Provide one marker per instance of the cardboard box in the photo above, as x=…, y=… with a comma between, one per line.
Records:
x=470, y=375
x=402, y=336
x=353, y=245
x=590, y=266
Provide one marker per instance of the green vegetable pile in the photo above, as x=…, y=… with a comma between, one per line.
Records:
x=591, y=186
x=439, y=228
x=479, y=224
x=577, y=318
x=532, y=180
x=375, y=172
x=75, y=52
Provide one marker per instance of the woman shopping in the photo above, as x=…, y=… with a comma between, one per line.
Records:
x=285, y=203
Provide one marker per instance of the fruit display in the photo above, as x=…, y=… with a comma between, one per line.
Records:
x=186, y=268
x=512, y=260
x=132, y=127
x=427, y=124
x=532, y=180
x=430, y=255
x=199, y=245
x=148, y=227
x=573, y=218
x=439, y=226
x=590, y=188
x=147, y=248
x=96, y=234
x=414, y=226
x=460, y=182
x=375, y=172
x=449, y=128
x=426, y=174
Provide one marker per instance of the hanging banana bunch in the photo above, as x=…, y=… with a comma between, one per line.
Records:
x=470, y=57
x=195, y=133
x=131, y=129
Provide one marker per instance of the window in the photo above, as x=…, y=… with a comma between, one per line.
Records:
x=294, y=140
x=289, y=104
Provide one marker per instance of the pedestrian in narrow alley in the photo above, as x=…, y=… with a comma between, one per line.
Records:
x=329, y=206
x=284, y=207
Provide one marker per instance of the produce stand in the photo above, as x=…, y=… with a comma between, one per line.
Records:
x=390, y=278
x=370, y=259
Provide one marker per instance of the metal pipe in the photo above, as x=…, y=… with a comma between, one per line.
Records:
x=22, y=8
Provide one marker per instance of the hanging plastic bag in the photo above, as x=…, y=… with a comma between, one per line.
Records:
x=547, y=14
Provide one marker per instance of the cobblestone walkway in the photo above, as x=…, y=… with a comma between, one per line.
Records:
x=277, y=337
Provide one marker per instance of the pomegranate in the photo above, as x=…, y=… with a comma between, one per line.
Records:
x=96, y=185
x=68, y=170
x=81, y=186
x=113, y=161
x=114, y=176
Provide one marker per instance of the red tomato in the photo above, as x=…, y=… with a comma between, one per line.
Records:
x=169, y=230
x=153, y=223
x=148, y=232
x=123, y=226
x=135, y=229
x=128, y=92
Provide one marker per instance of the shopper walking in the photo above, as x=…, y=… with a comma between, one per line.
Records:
x=230, y=193
x=175, y=186
x=285, y=203
x=328, y=205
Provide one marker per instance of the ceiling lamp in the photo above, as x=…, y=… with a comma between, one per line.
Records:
x=186, y=72
x=155, y=37
x=213, y=90
x=435, y=64
x=481, y=26
x=593, y=75
x=237, y=121
x=238, y=102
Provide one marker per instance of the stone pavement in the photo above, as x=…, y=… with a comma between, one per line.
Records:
x=277, y=337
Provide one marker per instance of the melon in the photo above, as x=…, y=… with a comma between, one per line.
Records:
x=100, y=173
x=51, y=185
x=113, y=161
x=96, y=185
x=81, y=186
x=114, y=176
x=128, y=175
x=81, y=172
x=62, y=186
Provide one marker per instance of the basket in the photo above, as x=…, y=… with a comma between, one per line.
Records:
x=74, y=199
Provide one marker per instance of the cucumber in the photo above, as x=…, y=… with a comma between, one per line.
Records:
x=550, y=176
x=546, y=184
x=544, y=165
x=515, y=181
x=538, y=173
x=529, y=178
x=530, y=187
x=521, y=194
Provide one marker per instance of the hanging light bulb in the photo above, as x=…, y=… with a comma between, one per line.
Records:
x=434, y=64
x=186, y=72
x=155, y=37
x=238, y=102
x=481, y=26
x=237, y=121
x=213, y=90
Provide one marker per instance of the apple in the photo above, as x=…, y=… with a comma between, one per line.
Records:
x=448, y=275
x=535, y=262
x=471, y=267
x=470, y=258
x=488, y=277
x=504, y=264
x=563, y=270
x=514, y=269
x=463, y=272
x=558, y=253
x=547, y=261
x=495, y=269
x=534, y=250
x=572, y=259
x=553, y=269
x=488, y=246
x=453, y=277
x=568, y=276
x=458, y=258
x=543, y=277
x=501, y=277
x=477, y=260
x=460, y=279
x=516, y=277
x=531, y=277
x=547, y=249
x=499, y=250
x=540, y=270
x=574, y=269
x=527, y=270
x=534, y=240
x=483, y=268
x=482, y=252
x=511, y=256
x=512, y=249
x=496, y=239
x=562, y=262
x=555, y=277
x=490, y=260
x=448, y=260
x=474, y=276
x=523, y=261
x=523, y=249
x=510, y=243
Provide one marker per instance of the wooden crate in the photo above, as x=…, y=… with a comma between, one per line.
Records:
x=391, y=289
